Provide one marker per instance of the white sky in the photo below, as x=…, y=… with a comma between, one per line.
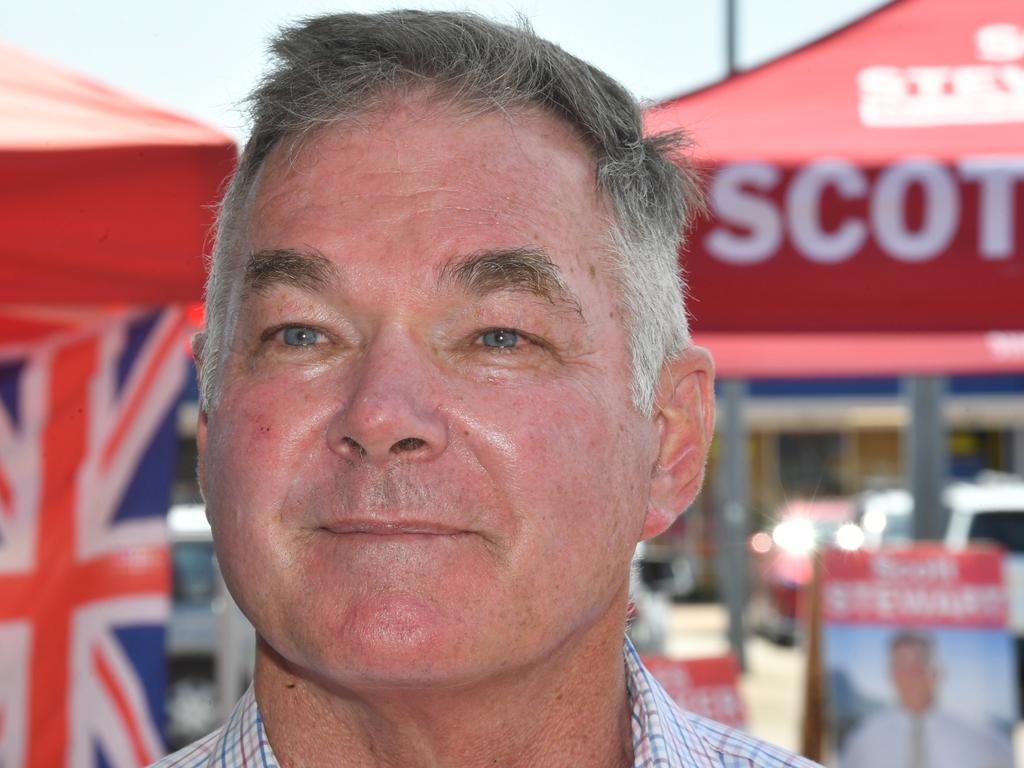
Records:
x=200, y=57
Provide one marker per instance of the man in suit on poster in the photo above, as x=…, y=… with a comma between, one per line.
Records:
x=917, y=733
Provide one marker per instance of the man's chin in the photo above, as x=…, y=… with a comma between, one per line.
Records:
x=387, y=642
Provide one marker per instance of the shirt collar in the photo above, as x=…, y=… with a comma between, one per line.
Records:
x=663, y=735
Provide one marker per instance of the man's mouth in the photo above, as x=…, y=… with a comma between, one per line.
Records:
x=393, y=528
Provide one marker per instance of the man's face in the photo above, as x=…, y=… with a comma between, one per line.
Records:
x=914, y=676
x=425, y=466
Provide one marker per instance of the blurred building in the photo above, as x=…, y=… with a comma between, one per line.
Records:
x=816, y=438
x=839, y=437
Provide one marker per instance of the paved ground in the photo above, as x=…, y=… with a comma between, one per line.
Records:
x=773, y=685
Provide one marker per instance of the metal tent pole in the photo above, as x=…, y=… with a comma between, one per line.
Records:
x=730, y=38
x=925, y=454
x=1017, y=451
x=733, y=501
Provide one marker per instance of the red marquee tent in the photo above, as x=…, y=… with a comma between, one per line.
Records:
x=106, y=207
x=105, y=198
x=869, y=182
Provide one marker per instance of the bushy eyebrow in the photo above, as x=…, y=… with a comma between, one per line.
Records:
x=525, y=268
x=308, y=270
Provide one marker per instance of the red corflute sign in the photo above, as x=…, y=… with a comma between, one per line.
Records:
x=707, y=687
x=919, y=664
x=919, y=586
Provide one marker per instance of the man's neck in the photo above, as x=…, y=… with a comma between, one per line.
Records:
x=568, y=710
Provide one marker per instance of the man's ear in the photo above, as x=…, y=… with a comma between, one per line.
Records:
x=198, y=343
x=684, y=410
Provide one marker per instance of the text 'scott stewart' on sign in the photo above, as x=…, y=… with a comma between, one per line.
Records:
x=920, y=667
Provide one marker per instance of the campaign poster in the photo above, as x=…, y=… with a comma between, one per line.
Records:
x=920, y=669
x=708, y=686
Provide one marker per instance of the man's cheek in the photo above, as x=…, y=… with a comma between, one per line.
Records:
x=242, y=453
x=568, y=462
x=271, y=415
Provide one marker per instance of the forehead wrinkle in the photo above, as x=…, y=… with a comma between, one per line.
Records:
x=528, y=269
x=308, y=270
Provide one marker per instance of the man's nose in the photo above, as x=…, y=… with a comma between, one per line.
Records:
x=394, y=409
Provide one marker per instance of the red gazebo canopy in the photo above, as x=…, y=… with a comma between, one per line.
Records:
x=871, y=182
x=105, y=199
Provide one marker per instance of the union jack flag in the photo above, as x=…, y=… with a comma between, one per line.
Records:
x=86, y=458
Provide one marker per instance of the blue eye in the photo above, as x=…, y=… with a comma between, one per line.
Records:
x=299, y=336
x=500, y=339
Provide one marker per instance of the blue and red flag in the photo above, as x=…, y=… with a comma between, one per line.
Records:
x=87, y=445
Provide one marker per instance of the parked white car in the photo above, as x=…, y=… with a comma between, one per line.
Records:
x=886, y=517
x=202, y=617
x=993, y=510
x=649, y=610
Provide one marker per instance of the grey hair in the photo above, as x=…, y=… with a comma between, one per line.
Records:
x=336, y=67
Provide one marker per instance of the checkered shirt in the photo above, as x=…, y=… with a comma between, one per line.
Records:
x=664, y=736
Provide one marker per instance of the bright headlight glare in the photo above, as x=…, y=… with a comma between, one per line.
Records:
x=761, y=543
x=849, y=537
x=874, y=521
x=795, y=536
